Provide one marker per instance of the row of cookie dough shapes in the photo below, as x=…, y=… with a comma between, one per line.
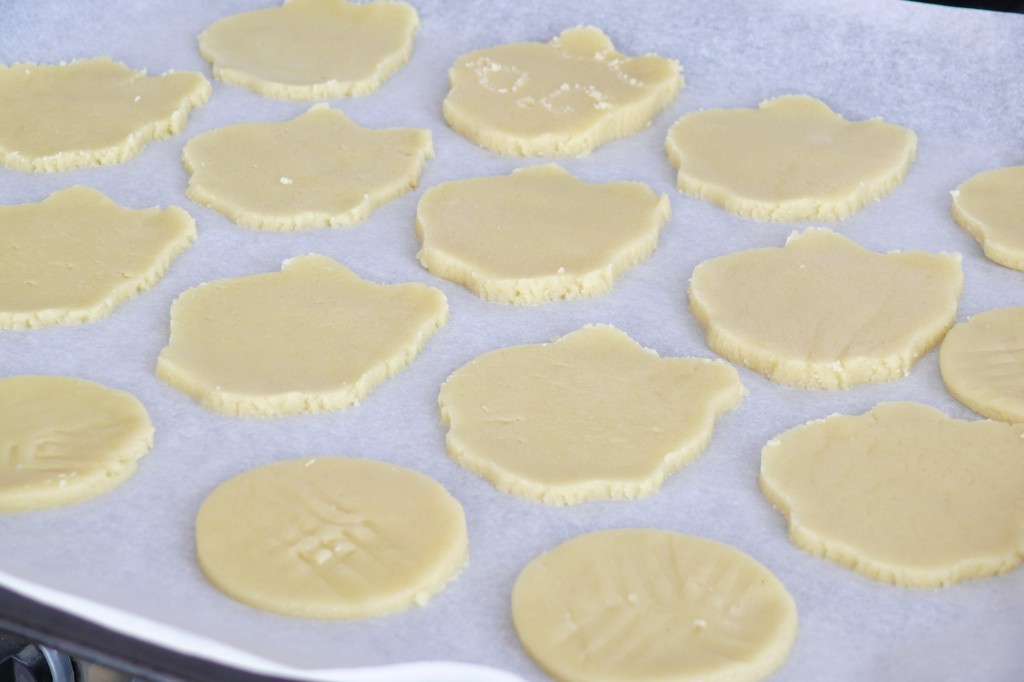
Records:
x=824, y=312
x=311, y=338
x=592, y=415
x=76, y=255
x=537, y=235
x=645, y=605
x=311, y=49
x=331, y=537
x=315, y=170
x=990, y=206
x=64, y=440
x=562, y=98
x=982, y=363
x=903, y=493
x=793, y=158
x=90, y=112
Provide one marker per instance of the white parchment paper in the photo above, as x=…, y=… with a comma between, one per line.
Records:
x=127, y=560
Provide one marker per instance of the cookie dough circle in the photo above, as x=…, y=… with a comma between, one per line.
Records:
x=592, y=415
x=903, y=493
x=66, y=440
x=562, y=98
x=311, y=338
x=982, y=363
x=990, y=206
x=792, y=158
x=824, y=312
x=311, y=49
x=90, y=112
x=537, y=235
x=77, y=255
x=643, y=605
x=331, y=537
x=319, y=169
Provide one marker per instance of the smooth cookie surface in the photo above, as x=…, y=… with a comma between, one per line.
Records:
x=537, y=235
x=990, y=206
x=902, y=493
x=311, y=49
x=592, y=415
x=90, y=112
x=311, y=338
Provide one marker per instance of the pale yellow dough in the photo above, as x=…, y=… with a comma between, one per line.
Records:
x=562, y=98
x=982, y=363
x=592, y=415
x=537, y=235
x=902, y=493
x=793, y=158
x=318, y=169
x=64, y=440
x=311, y=49
x=331, y=537
x=824, y=312
x=311, y=338
x=90, y=112
x=990, y=206
x=77, y=255
x=644, y=605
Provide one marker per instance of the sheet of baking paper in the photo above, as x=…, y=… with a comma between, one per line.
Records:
x=127, y=559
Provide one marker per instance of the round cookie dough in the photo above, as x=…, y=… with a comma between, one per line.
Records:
x=792, y=158
x=64, y=440
x=316, y=170
x=990, y=206
x=331, y=537
x=903, y=493
x=592, y=415
x=982, y=363
x=537, y=235
x=311, y=49
x=644, y=605
x=311, y=338
x=563, y=98
x=89, y=112
x=824, y=312
x=77, y=255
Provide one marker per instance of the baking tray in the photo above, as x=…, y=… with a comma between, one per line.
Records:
x=126, y=560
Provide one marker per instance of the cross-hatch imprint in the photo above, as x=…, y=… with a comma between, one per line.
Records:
x=638, y=605
x=47, y=449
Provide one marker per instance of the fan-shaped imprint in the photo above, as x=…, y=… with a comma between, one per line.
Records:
x=537, y=235
x=317, y=169
x=592, y=415
x=902, y=493
x=982, y=363
x=644, y=605
x=331, y=537
x=77, y=255
x=311, y=49
x=89, y=112
x=824, y=312
x=64, y=440
x=311, y=338
x=792, y=158
x=562, y=98
x=990, y=206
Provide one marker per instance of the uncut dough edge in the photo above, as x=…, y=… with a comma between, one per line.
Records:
x=130, y=147
x=128, y=289
x=331, y=89
x=806, y=209
x=841, y=554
